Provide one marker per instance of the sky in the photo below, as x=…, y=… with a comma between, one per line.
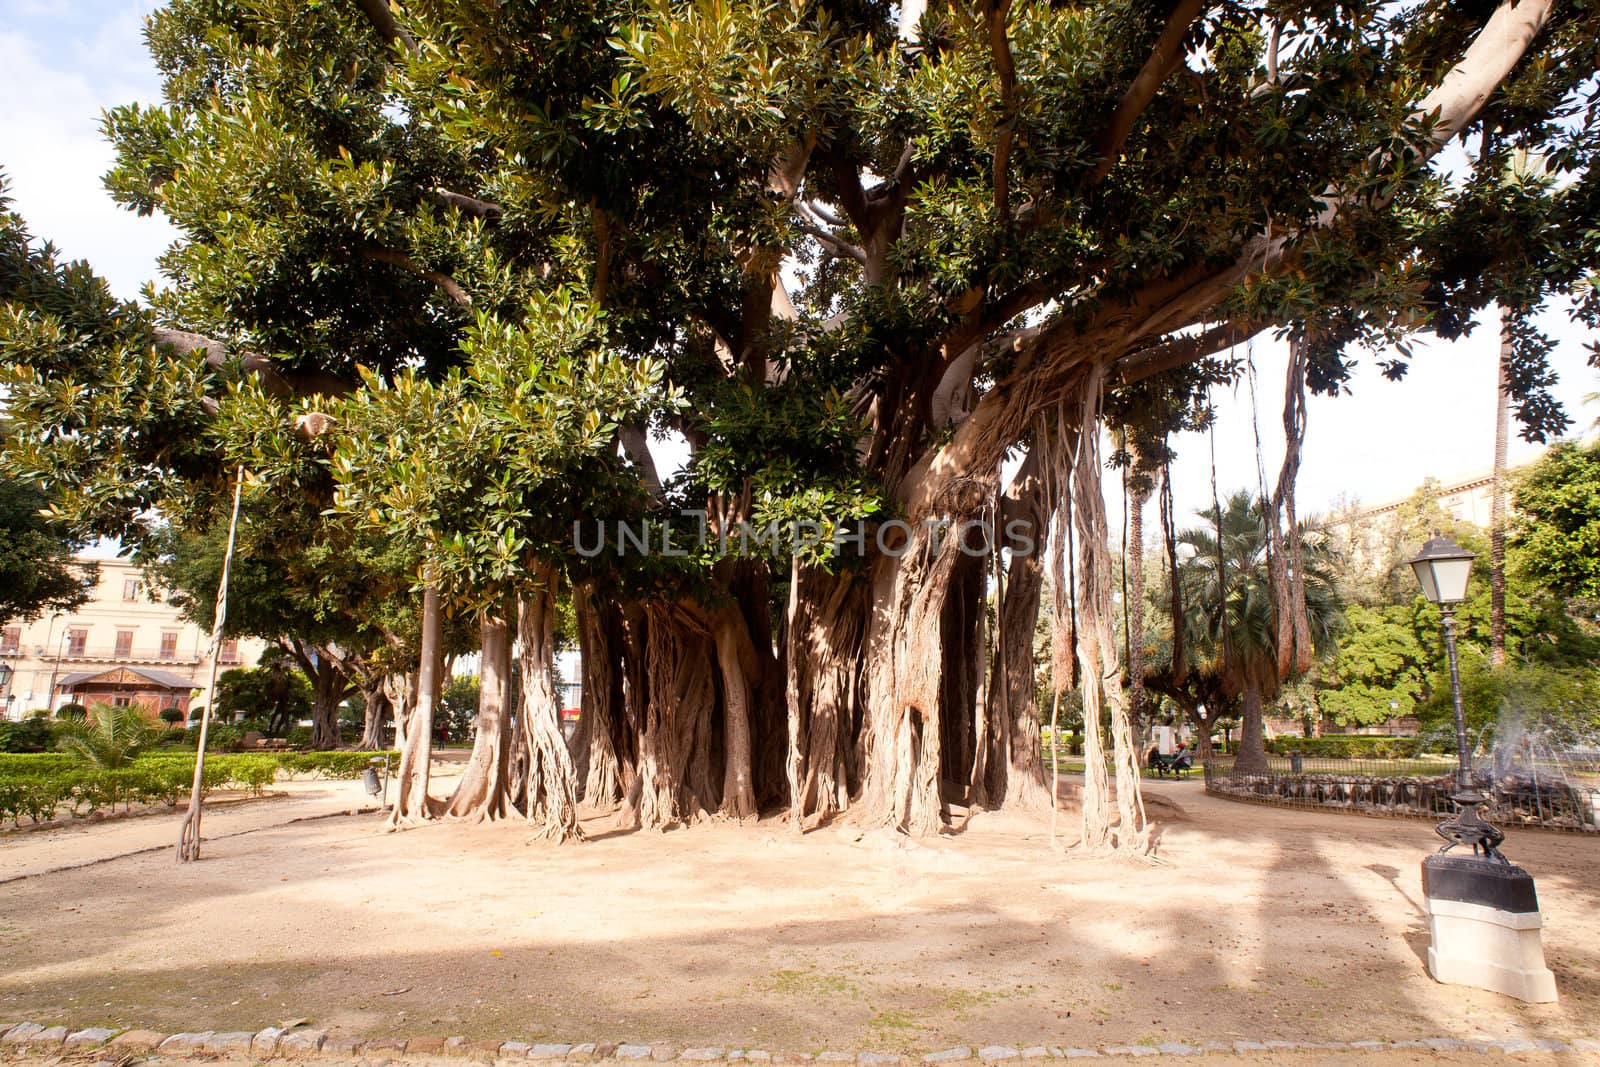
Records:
x=61, y=64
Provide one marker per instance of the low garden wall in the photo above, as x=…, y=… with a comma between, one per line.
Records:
x=1370, y=787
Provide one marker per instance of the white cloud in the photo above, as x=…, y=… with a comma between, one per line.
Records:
x=53, y=86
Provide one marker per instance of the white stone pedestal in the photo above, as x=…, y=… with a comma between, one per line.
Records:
x=1482, y=946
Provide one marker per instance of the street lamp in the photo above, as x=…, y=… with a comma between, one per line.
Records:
x=1483, y=912
x=6, y=671
x=1442, y=568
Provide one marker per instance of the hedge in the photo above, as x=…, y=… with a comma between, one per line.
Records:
x=1347, y=746
x=334, y=765
x=37, y=785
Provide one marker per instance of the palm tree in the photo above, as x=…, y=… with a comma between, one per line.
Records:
x=110, y=737
x=1497, y=508
x=1231, y=623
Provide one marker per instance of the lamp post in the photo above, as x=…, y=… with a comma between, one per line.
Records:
x=61, y=646
x=1483, y=912
x=1442, y=569
x=6, y=671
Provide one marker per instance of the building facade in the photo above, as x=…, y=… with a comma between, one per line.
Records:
x=122, y=646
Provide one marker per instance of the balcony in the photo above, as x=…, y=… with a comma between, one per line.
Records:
x=137, y=656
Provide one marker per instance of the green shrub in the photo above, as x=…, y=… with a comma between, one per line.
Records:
x=112, y=737
x=300, y=735
x=220, y=737
x=35, y=795
x=171, y=716
x=37, y=785
x=332, y=765
x=74, y=712
x=32, y=734
x=1347, y=746
x=17, y=764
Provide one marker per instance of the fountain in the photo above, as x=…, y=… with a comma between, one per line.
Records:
x=1542, y=771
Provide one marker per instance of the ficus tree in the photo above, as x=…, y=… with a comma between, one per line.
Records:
x=969, y=228
x=482, y=474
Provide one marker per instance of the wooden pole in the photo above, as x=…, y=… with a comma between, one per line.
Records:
x=189, y=836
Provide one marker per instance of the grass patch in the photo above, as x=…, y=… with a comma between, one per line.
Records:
x=805, y=982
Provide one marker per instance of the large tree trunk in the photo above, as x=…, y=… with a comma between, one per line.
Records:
x=905, y=668
x=484, y=791
x=550, y=788
x=674, y=783
x=736, y=660
x=328, y=690
x=1497, y=506
x=829, y=631
x=377, y=706
x=1252, y=757
x=1016, y=770
x=962, y=735
x=411, y=802
x=595, y=745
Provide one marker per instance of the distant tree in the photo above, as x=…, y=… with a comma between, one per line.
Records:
x=1561, y=703
x=458, y=706
x=1556, y=536
x=274, y=692
x=1232, y=617
x=1379, y=671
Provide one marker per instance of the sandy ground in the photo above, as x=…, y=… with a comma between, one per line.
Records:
x=1258, y=923
x=65, y=843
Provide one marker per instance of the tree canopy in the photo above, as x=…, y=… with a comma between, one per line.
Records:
x=1556, y=541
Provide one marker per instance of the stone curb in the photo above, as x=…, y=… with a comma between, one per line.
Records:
x=303, y=1041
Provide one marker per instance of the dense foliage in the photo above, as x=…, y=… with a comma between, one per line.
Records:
x=1556, y=543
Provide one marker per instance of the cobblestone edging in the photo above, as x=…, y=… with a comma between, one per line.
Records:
x=304, y=1041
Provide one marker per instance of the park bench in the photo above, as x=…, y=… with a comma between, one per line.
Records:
x=254, y=742
x=1175, y=765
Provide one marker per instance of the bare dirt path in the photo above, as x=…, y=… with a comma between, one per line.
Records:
x=1258, y=924
x=28, y=852
x=1274, y=1058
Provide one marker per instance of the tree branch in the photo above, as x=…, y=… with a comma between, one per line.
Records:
x=833, y=242
x=1192, y=293
x=1149, y=362
x=383, y=20
x=469, y=205
x=637, y=448
x=995, y=14
x=446, y=284
x=276, y=380
x=1164, y=59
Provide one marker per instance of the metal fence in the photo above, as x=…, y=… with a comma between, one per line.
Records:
x=1412, y=788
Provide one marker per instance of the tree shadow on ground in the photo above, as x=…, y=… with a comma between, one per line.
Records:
x=1260, y=924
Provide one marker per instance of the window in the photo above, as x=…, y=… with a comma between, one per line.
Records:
x=230, y=652
x=11, y=640
x=121, y=702
x=76, y=639
x=169, y=646
x=124, y=644
x=131, y=588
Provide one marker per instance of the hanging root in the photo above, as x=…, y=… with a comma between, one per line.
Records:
x=1101, y=673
